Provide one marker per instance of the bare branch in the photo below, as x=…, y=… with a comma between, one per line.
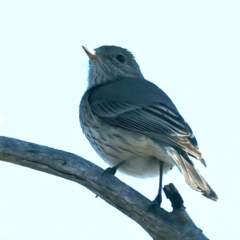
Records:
x=158, y=223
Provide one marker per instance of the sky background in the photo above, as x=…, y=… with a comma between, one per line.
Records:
x=190, y=49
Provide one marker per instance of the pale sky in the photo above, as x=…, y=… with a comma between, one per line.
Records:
x=190, y=49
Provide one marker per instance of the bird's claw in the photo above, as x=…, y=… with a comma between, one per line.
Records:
x=110, y=170
x=155, y=203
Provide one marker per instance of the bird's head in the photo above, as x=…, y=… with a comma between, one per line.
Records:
x=110, y=63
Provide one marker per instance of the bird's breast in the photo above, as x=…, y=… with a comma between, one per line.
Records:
x=140, y=154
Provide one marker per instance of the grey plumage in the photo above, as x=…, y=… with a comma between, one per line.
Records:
x=129, y=119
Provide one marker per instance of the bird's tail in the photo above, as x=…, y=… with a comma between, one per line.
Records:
x=192, y=177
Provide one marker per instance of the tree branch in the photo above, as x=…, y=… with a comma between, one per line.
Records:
x=159, y=223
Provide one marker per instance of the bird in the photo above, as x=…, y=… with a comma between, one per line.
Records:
x=133, y=124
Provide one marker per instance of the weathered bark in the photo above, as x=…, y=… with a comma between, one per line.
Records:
x=159, y=223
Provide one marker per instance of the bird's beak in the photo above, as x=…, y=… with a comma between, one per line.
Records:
x=92, y=54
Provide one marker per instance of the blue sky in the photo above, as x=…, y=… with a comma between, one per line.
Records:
x=190, y=49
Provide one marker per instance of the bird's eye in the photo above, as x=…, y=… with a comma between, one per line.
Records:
x=120, y=58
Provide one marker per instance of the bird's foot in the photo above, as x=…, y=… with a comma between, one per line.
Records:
x=110, y=170
x=155, y=203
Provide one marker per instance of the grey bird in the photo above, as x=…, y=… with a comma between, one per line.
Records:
x=133, y=125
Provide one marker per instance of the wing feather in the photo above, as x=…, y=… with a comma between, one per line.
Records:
x=138, y=105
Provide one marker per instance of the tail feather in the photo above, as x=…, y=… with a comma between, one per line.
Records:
x=192, y=176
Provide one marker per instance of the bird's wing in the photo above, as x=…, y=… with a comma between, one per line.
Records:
x=138, y=105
